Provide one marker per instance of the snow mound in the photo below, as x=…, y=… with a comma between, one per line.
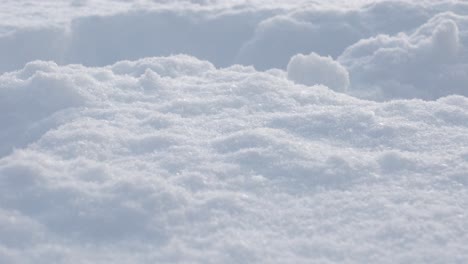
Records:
x=428, y=64
x=313, y=69
x=173, y=160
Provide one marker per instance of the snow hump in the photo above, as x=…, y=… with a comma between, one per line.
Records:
x=313, y=69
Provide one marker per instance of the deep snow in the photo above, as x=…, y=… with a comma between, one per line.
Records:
x=291, y=132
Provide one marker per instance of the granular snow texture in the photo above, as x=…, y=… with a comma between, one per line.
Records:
x=173, y=160
x=290, y=132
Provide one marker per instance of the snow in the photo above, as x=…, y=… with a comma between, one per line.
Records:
x=313, y=69
x=282, y=132
x=428, y=64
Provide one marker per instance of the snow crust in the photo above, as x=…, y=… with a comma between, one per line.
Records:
x=283, y=132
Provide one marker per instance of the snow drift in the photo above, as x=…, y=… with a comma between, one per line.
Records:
x=428, y=64
x=290, y=132
x=173, y=160
x=391, y=49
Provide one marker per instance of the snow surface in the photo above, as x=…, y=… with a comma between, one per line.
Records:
x=313, y=70
x=290, y=132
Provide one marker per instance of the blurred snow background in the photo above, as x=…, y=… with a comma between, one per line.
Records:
x=289, y=132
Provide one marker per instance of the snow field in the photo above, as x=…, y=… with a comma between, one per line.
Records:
x=290, y=132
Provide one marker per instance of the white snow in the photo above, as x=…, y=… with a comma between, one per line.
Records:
x=283, y=132
x=313, y=69
x=429, y=63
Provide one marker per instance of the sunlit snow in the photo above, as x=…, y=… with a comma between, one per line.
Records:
x=211, y=131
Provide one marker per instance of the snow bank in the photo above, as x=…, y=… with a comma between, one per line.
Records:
x=172, y=160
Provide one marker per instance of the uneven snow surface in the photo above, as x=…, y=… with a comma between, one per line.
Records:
x=289, y=132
